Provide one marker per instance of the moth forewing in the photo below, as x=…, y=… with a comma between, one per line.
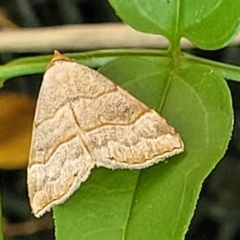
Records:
x=84, y=120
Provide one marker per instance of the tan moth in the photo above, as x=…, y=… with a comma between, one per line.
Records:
x=83, y=120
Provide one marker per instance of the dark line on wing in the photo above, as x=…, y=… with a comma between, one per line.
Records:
x=36, y=124
x=95, y=97
x=63, y=140
x=79, y=133
x=120, y=124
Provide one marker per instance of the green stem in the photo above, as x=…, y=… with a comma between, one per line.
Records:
x=228, y=71
x=174, y=49
x=95, y=59
x=34, y=65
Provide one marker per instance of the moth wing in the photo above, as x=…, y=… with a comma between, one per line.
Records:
x=59, y=160
x=83, y=119
x=119, y=130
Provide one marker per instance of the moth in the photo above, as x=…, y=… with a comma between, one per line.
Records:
x=83, y=120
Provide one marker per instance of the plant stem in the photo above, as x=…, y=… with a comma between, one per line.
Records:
x=95, y=59
x=228, y=71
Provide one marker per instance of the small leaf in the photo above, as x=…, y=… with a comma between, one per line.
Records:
x=203, y=22
x=153, y=16
x=158, y=202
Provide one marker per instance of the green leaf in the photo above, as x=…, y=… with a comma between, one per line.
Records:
x=158, y=202
x=205, y=23
x=153, y=16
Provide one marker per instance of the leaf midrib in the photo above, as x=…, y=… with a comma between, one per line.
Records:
x=159, y=107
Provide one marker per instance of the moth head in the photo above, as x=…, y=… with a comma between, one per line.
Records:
x=58, y=57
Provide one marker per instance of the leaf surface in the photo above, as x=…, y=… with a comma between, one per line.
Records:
x=157, y=202
x=205, y=23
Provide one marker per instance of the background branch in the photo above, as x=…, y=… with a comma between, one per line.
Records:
x=80, y=37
